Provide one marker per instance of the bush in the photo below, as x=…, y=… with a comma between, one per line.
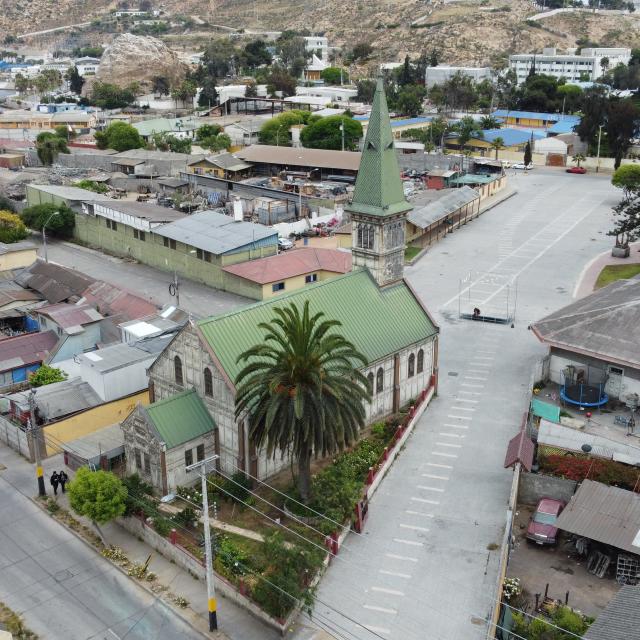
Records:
x=46, y=375
x=162, y=526
x=90, y=185
x=57, y=225
x=233, y=559
x=12, y=228
x=578, y=467
x=185, y=518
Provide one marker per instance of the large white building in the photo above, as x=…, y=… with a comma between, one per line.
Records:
x=318, y=45
x=442, y=73
x=571, y=66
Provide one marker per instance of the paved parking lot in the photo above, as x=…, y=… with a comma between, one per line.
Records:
x=426, y=566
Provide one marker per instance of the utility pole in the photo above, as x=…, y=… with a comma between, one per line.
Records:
x=174, y=288
x=36, y=442
x=342, y=132
x=44, y=234
x=208, y=558
x=599, y=138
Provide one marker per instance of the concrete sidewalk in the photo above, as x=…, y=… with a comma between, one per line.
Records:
x=589, y=275
x=234, y=622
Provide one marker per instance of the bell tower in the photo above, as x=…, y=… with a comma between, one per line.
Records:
x=379, y=208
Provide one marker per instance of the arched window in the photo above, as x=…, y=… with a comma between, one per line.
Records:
x=370, y=379
x=380, y=380
x=208, y=382
x=360, y=240
x=177, y=370
x=420, y=361
x=411, y=367
x=365, y=236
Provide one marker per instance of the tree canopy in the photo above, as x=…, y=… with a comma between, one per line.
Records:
x=38, y=215
x=301, y=389
x=276, y=130
x=12, y=228
x=119, y=136
x=110, y=96
x=334, y=75
x=46, y=375
x=76, y=81
x=325, y=133
x=48, y=146
x=97, y=495
x=627, y=177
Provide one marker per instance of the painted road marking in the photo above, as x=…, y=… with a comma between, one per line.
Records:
x=483, y=358
x=440, y=466
x=477, y=370
x=448, y=444
x=419, y=513
x=421, y=486
x=450, y=435
x=413, y=543
x=444, y=455
x=465, y=400
x=456, y=426
x=467, y=384
x=470, y=393
x=474, y=378
x=435, y=477
x=391, y=592
x=463, y=408
x=394, y=556
x=414, y=499
x=382, y=630
x=396, y=574
x=459, y=417
x=372, y=607
x=414, y=528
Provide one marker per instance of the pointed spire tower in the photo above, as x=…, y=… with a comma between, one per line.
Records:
x=379, y=209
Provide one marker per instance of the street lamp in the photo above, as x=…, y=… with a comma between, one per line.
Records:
x=208, y=559
x=599, y=137
x=44, y=234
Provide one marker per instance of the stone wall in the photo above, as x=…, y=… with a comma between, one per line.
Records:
x=534, y=486
x=14, y=437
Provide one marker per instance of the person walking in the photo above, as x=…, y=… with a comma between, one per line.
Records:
x=63, y=479
x=55, y=480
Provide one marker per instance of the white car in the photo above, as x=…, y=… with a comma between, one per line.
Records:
x=284, y=244
x=505, y=164
x=522, y=165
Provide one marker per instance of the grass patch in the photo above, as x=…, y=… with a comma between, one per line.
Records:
x=614, y=272
x=12, y=622
x=411, y=252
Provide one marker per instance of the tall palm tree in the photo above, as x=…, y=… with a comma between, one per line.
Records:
x=301, y=389
x=578, y=158
x=497, y=144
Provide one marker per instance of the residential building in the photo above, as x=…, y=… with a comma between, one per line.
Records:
x=87, y=66
x=572, y=67
x=77, y=120
x=512, y=140
x=17, y=255
x=145, y=163
x=72, y=197
x=288, y=271
x=54, y=282
x=370, y=302
x=221, y=165
x=597, y=340
x=441, y=73
x=314, y=68
x=177, y=127
x=165, y=322
x=162, y=439
x=117, y=304
x=553, y=122
x=318, y=45
x=441, y=178
x=329, y=94
x=22, y=355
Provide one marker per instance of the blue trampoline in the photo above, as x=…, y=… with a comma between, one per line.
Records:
x=584, y=395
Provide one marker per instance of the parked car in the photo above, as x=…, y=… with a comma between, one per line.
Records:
x=505, y=164
x=284, y=244
x=522, y=165
x=542, y=525
x=579, y=170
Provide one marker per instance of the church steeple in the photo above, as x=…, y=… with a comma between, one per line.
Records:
x=378, y=210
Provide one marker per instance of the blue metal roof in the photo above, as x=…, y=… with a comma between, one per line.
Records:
x=512, y=137
x=533, y=115
x=400, y=123
x=564, y=126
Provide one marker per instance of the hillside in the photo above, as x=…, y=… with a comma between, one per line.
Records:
x=466, y=32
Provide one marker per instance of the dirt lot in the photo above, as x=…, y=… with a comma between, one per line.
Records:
x=536, y=566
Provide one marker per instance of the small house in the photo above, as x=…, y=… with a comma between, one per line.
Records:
x=441, y=178
x=22, y=355
x=221, y=165
x=162, y=439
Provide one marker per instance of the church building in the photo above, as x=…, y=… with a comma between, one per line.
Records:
x=378, y=310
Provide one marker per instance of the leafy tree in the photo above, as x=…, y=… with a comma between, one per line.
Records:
x=623, y=123
x=207, y=131
x=527, y=154
x=276, y=130
x=594, y=107
x=168, y=142
x=281, y=80
x=334, y=75
x=256, y=54
x=539, y=92
x=119, y=136
x=38, y=215
x=221, y=142
x=292, y=52
x=97, y=495
x=466, y=128
x=185, y=92
x=507, y=91
x=48, y=146
x=22, y=83
x=497, y=144
x=489, y=122
x=434, y=57
x=46, y=375
x=627, y=177
x=366, y=89
x=578, y=158
x=91, y=185
x=361, y=51
x=251, y=90
x=110, y=96
x=90, y=51
x=570, y=96
x=12, y=228
x=75, y=80
x=160, y=85
x=409, y=100
x=220, y=58
x=626, y=219
x=301, y=389
x=208, y=92
x=405, y=74
x=565, y=624
x=459, y=92
x=325, y=133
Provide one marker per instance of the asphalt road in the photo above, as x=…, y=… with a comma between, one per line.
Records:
x=64, y=589
x=426, y=566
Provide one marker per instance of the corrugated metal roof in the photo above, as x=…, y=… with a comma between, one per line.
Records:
x=605, y=324
x=108, y=441
x=300, y=157
x=510, y=137
x=224, y=161
x=115, y=357
x=533, y=115
x=180, y=418
x=377, y=321
x=113, y=301
x=54, y=282
x=292, y=263
x=217, y=233
x=605, y=514
x=70, y=315
x=620, y=619
x=144, y=211
x=73, y=194
x=520, y=449
x=29, y=348
x=449, y=203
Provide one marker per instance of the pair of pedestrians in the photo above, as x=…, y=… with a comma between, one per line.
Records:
x=58, y=479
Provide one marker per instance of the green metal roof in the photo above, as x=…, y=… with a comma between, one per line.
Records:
x=377, y=321
x=180, y=418
x=378, y=189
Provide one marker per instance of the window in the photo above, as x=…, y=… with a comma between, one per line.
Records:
x=278, y=286
x=207, y=256
x=138, y=235
x=313, y=277
x=411, y=366
x=380, y=380
x=141, y=236
x=365, y=236
x=168, y=242
x=172, y=244
x=177, y=370
x=188, y=457
x=111, y=224
x=420, y=361
x=200, y=453
x=208, y=382
x=147, y=463
x=199, y=254
x=138, y=458
x=370, y=379
x=165, y=241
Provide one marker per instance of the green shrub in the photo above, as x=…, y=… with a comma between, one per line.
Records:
x=184, y=518
x=233, y=559
x=162, y=526
x=236, y=488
